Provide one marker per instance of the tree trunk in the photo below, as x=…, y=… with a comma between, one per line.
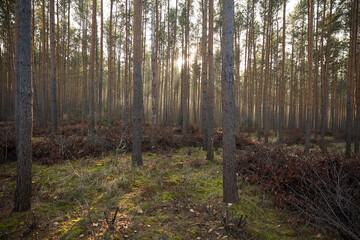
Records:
x=53, y=70
x=282, y=90
x=23, y=120
x=101, y=65
x=126, y=62
x=230, y=191
x=267, y=77
x=350, y=81
x=204, y=75
x=210, y=89
x=310, y=55
x=138, y=98
x=172, y=71
x=262, y=77
x=92, y=71
x=110, y=73
x=154, y=72
x=43, y=67
x=326, y=80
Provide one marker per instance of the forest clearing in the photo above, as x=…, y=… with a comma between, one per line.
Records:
x=179, y=119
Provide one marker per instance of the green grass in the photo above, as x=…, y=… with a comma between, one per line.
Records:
x=164, y=198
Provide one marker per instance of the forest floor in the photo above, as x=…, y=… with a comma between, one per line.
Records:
x=85, y=188
x=165, y=199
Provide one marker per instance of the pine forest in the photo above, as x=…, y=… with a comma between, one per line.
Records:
x=179, y=119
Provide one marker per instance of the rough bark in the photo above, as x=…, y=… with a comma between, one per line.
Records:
x=230, y=192
x=138, y=101
x=23, y=120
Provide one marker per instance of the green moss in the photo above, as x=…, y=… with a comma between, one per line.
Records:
x=164, y=233
x=73, y=233
x=36, y=139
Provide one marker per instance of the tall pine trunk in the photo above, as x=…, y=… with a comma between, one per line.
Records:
x=138, y=97
x=210, y=88
x=101, y=65
x=230, y=191
x=282, y=89
x=350, y=81
x=310, y=55
x=53, y=70
x=23, y=114
x=92, y=70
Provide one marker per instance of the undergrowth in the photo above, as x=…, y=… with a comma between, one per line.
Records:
x=104, y=198
x=321, y=188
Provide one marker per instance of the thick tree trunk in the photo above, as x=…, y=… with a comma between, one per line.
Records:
x=23, y=120
x=138, y=98
x=230, y=191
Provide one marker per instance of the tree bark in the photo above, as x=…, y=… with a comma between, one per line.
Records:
x=326, y=80
x=204, y=75
x=267, y=77
x=101, y=65
x=310, y=55
x=23, y=114
x=92, y=71
x=110, y=66
x=350, y=81
x=154, y=72
x=210, y=89
x=138, y=98
x=230, y=191
x=53, y=70
x=172, y=71
x=282, y=90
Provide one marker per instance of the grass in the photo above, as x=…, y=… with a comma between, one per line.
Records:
x=165, y=198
